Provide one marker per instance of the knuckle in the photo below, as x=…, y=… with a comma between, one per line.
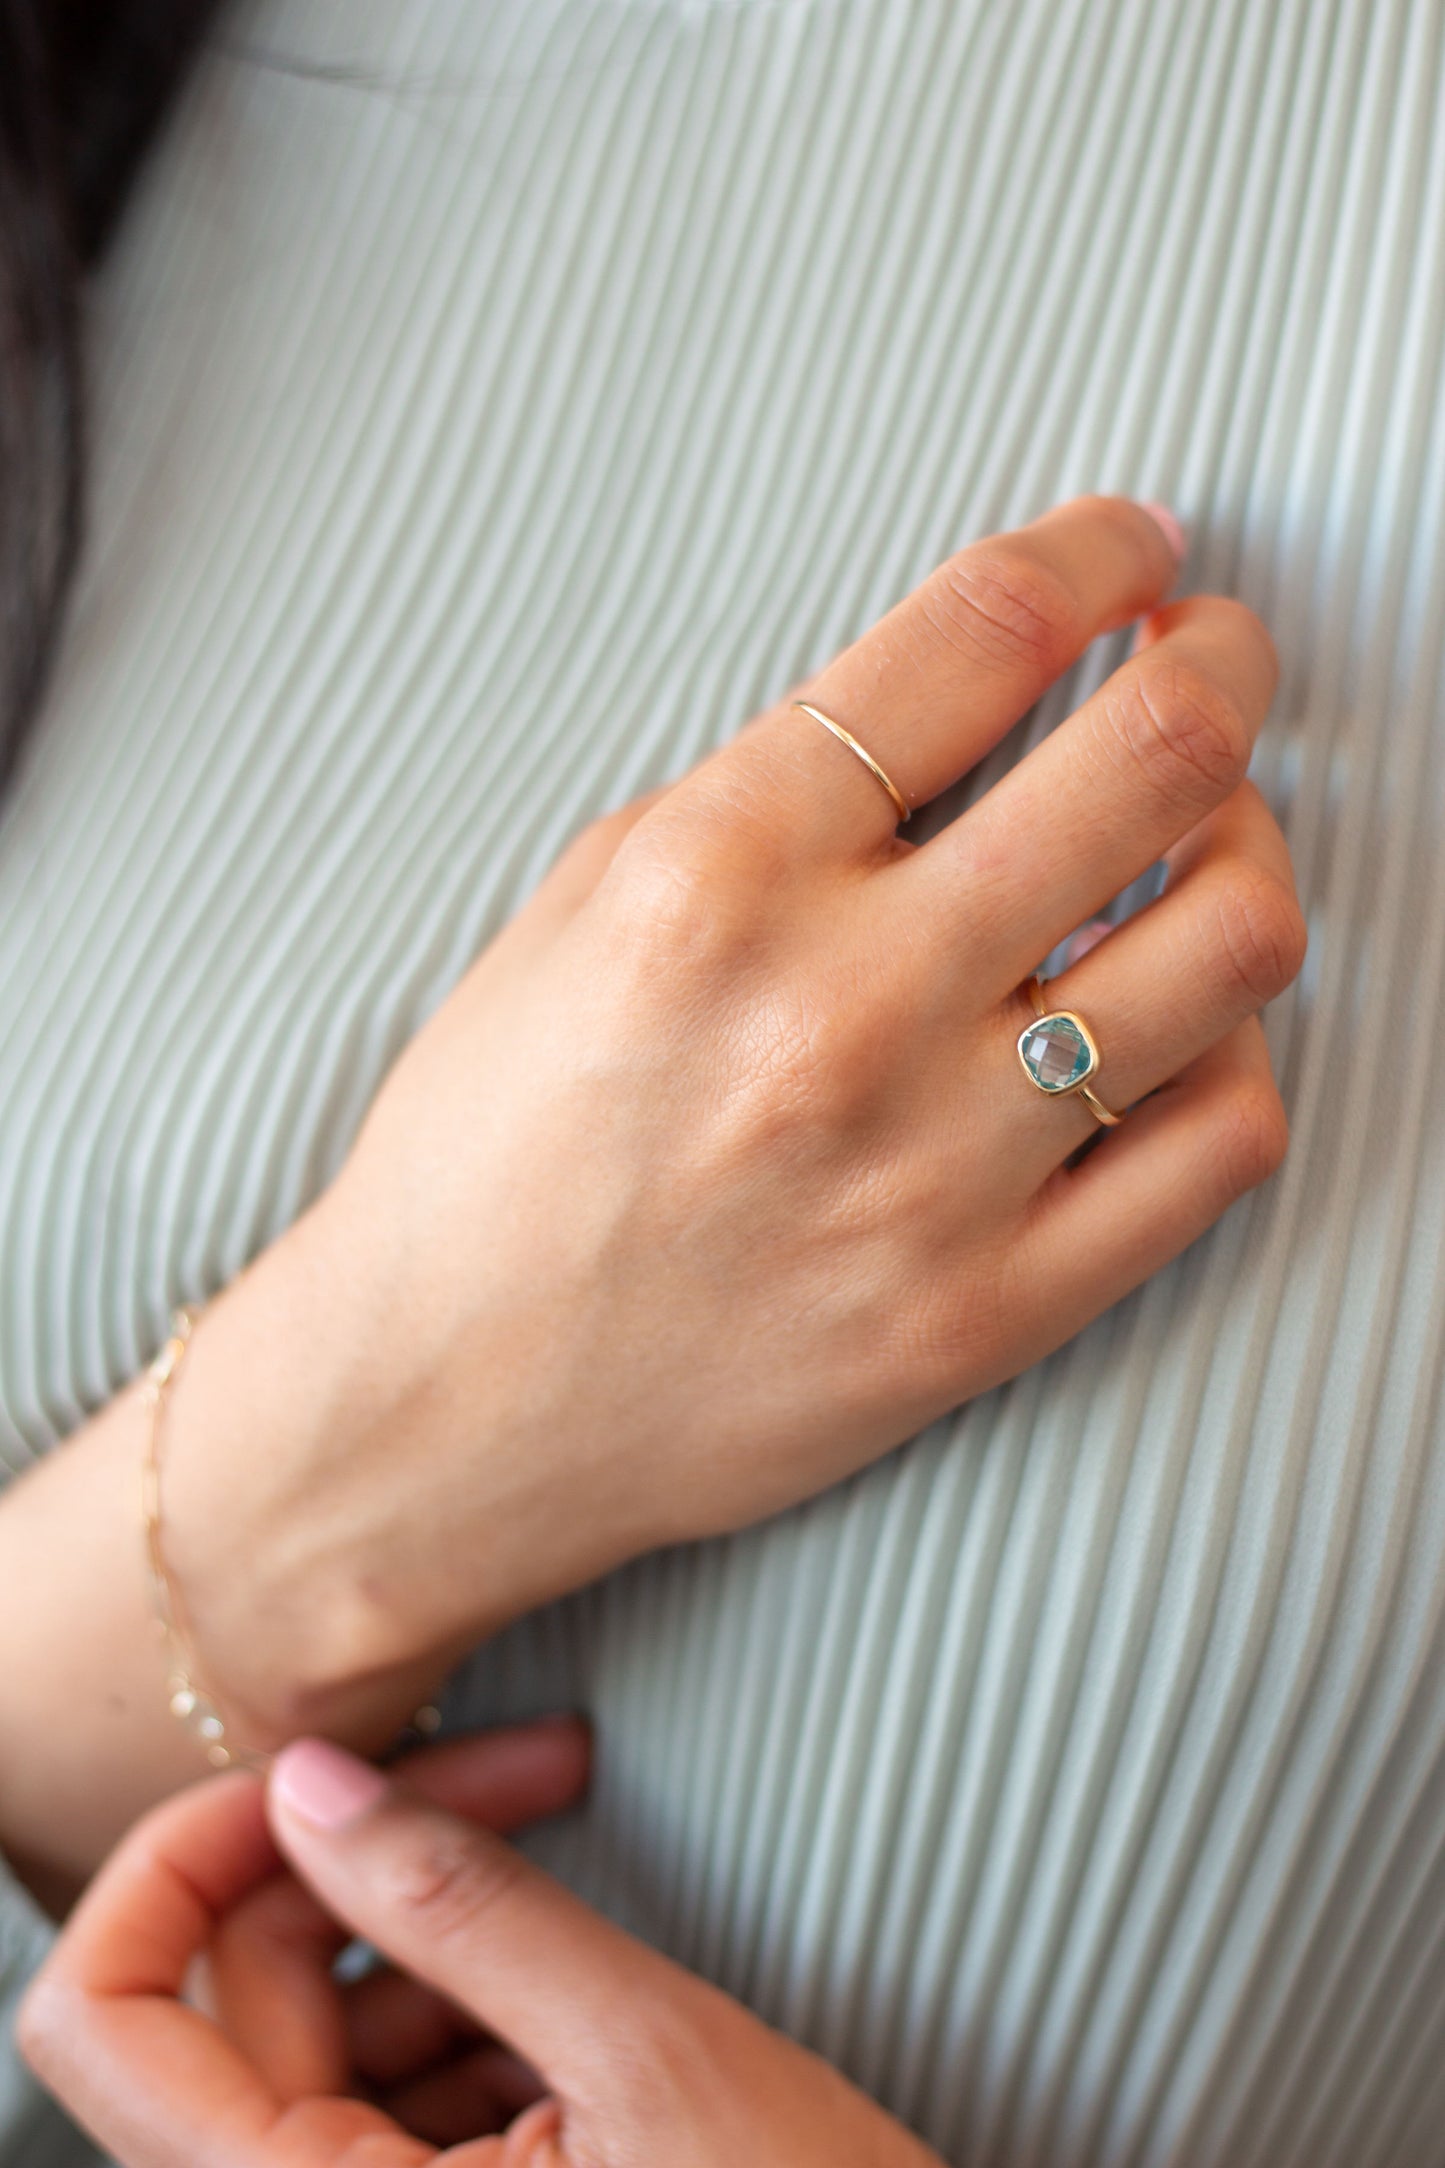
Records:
x=595, y=844
x=667, y=893
x=581, y=865
x=696, y=870
x=449, y=1885
x=677, y=2051
x=1186, y=730
x=1263, y=934
x=1255, y=1137
x=653, y=2066
x=1005, y=609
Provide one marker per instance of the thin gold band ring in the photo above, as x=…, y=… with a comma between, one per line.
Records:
x=1059, y=1055
x=846, y=737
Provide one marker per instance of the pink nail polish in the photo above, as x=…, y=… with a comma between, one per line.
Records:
x=325, y=1785
x=1170, y=527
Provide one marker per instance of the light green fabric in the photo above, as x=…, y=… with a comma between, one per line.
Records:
x=32, y=2129
x=495, y=404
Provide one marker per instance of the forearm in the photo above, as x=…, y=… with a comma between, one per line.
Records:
x=86, y=1738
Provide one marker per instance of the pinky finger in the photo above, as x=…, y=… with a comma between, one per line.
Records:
x=1153, y=1186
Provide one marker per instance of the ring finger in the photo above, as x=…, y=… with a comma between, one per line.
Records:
x=1224, y=938
x=1162, y=743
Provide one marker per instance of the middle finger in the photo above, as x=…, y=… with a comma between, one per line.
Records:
x=934, y=685
x=1162, y=743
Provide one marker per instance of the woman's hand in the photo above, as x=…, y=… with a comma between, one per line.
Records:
x=543, y=2037
x=718, y=1174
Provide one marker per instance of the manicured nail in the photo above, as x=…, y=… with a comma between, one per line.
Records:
x=325, y=1785
x=1169, y=527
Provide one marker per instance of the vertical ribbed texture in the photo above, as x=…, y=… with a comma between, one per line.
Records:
x=496, y=404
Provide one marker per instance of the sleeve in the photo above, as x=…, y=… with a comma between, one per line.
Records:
x=34, y=2132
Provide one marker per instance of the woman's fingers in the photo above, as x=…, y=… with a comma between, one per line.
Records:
x=270, y=1988
x=505, y=1779
x=396, y=2027
x=457, y=1908
x=101, y=2025
x=154, y=2082
x=168, y=1883
x=158, y=2083
x=931, y=687
x=271, y=1956
x=479, y=2092
x=1155, y=1184
x=1225, y=937
x=1162, y=743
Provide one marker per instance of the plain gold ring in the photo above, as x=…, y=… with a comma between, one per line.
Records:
x=1059, y=1054
x=846, y=737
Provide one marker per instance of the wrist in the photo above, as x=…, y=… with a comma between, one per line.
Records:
x=315, y=1431
x=262, y=1533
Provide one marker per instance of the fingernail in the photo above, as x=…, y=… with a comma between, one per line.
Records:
x=1170, y=527
x=325, y=1785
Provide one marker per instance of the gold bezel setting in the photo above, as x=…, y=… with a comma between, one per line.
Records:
x=1040, y=1026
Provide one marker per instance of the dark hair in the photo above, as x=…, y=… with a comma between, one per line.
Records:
x=83, y=85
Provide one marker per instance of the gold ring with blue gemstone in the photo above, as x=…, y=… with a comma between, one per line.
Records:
x=1059, y=1055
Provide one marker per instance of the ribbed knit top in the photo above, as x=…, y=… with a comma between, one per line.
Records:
x=496, y=401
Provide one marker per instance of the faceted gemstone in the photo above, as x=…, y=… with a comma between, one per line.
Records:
x=1055, y=1053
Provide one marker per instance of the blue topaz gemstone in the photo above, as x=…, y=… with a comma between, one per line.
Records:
x=1056, y=1054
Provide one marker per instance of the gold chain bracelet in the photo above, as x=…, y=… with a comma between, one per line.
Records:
x=192, y=1703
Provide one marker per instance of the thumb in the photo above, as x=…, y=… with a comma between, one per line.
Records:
x=455, y=1907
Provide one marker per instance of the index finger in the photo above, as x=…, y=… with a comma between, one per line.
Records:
x=154, y=2082
x=154, y=1905
x=934, y=685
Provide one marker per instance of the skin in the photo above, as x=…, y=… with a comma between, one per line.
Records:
x=715, y=1177
x=515, y=2028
